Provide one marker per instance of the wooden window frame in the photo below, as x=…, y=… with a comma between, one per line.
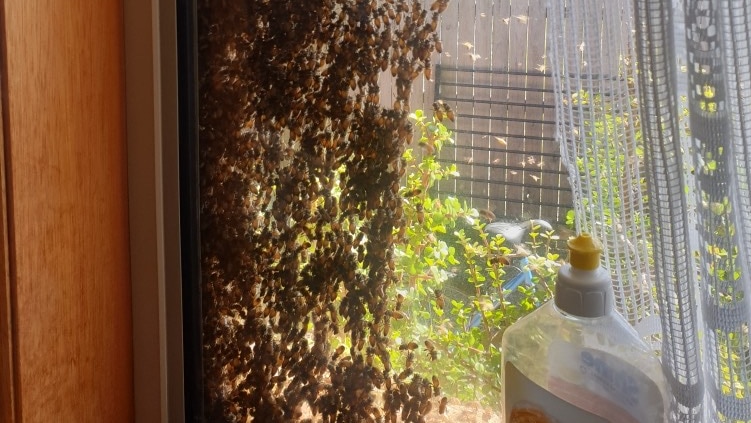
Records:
x=152, y=108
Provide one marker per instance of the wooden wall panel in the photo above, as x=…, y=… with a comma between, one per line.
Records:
x=67, y=198
x=7, y=401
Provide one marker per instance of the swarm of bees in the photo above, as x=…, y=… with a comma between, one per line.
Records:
x=299, y=182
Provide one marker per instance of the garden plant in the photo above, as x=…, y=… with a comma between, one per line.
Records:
x=451, y=274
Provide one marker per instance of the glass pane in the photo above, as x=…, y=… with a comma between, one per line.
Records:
x=381, y=195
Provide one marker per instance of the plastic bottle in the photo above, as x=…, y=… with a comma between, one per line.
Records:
x=576, y=359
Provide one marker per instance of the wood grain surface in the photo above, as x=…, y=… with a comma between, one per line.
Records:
x=7, y=401
x=67, y=210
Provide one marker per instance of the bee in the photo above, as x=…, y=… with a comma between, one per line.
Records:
x=436, y=386
x=502, y=260
x=420, y=213
x=339, y=351
x=345, y=362
x=429, y=149
x=415, y=386
x=405, y=374
x=487, y=214
x=360, y=344
x=410, y=346
x=432, y=352
x=377, y=414
x=410, y=360
x=369, y=354
x=406, y=412
x=442, y=405
x=412, y=193
x=399, y=302
x=396, y=314
x=426, y=407
x=439, y=300
x=449, y=113
x=438, y=111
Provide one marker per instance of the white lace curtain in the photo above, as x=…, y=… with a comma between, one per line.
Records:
x=654, y=116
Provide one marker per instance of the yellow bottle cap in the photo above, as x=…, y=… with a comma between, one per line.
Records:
x=584, y=252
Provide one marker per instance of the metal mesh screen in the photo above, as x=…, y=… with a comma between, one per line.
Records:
x=492, y=71
x=633, y=143
x=598, y=127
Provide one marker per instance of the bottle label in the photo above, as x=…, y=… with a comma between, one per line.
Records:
x=584, y=386
x=625, y=394
x=528, y=402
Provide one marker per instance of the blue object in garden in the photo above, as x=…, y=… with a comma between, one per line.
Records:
x=515, y=232
x=524, y=277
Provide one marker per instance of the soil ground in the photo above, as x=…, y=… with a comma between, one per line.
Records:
x=457, y=412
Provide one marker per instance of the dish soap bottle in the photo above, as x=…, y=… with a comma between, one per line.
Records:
x=576, y=359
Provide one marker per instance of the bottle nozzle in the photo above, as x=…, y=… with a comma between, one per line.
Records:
x=584, y=252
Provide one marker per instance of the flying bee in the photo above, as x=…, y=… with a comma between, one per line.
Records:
x=396, y=314
x=439, y=300
x=487, y=214
x=503, y=260
x=412, y=193
x=432, y=353
x=429, y=149
x=438, y=111
x=449, y=113
x=399, y=301
x=410, y=346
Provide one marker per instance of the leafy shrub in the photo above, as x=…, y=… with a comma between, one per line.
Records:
x=450, y=300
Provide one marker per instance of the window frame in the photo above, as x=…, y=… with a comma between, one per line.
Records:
x=152, y=125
